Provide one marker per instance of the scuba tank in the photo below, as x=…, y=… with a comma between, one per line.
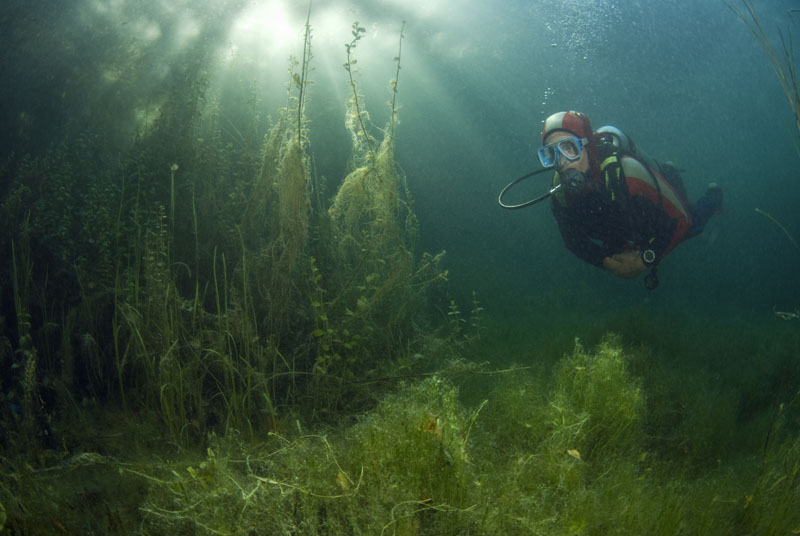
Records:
x=615, y=140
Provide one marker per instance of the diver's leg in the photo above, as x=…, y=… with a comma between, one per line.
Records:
x=707, y=205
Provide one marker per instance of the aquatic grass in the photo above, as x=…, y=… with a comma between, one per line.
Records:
x=120, y=354
x=22, y=283
x=301, y=79
x=417, y=464
x=782, y=62
x=598, y=403
x=314, y=484
x=155, y=335
x=543, y=455
x=771, y=504
x=771, y=218
x=243, y=365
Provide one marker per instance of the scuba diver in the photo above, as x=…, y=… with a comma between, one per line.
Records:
x=616, y=209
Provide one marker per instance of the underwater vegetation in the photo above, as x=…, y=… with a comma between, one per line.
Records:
x=201, y=335
x=591, y=448
x=783, y=63
x=781, y=60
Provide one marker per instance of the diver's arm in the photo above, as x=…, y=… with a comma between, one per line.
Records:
x=628, y=264
x=576, y=241
x=655, y=232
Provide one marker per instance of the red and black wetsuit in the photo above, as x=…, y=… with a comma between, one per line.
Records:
x=628, y=207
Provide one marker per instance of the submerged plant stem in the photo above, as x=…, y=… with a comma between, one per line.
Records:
x=779, y=224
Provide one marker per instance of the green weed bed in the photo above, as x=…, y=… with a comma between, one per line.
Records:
x=584, y=450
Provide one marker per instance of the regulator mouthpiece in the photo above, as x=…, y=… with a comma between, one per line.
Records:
x=574, y=180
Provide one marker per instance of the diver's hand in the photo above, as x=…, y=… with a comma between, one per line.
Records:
x=628, y=264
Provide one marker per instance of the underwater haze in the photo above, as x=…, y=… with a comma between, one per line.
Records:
x=255, y=278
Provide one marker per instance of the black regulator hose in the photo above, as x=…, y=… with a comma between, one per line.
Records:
x=532, y=201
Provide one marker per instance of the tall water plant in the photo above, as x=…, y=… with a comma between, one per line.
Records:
x=374, y=231
x=781, y=59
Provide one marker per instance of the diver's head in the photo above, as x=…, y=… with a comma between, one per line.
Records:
x=575, y=123
x=561, y=126
x=564, y=151
x=569, y=147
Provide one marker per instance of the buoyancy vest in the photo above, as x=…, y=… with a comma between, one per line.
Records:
x=623, y=177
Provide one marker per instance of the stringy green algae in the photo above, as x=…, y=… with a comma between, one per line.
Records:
x=568, y=459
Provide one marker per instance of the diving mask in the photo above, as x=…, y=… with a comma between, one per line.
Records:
x=570, y=148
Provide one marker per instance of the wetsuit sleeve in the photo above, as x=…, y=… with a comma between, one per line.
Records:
x=576, y=240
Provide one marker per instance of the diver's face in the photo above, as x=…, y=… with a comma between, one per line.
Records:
x=581, y=164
